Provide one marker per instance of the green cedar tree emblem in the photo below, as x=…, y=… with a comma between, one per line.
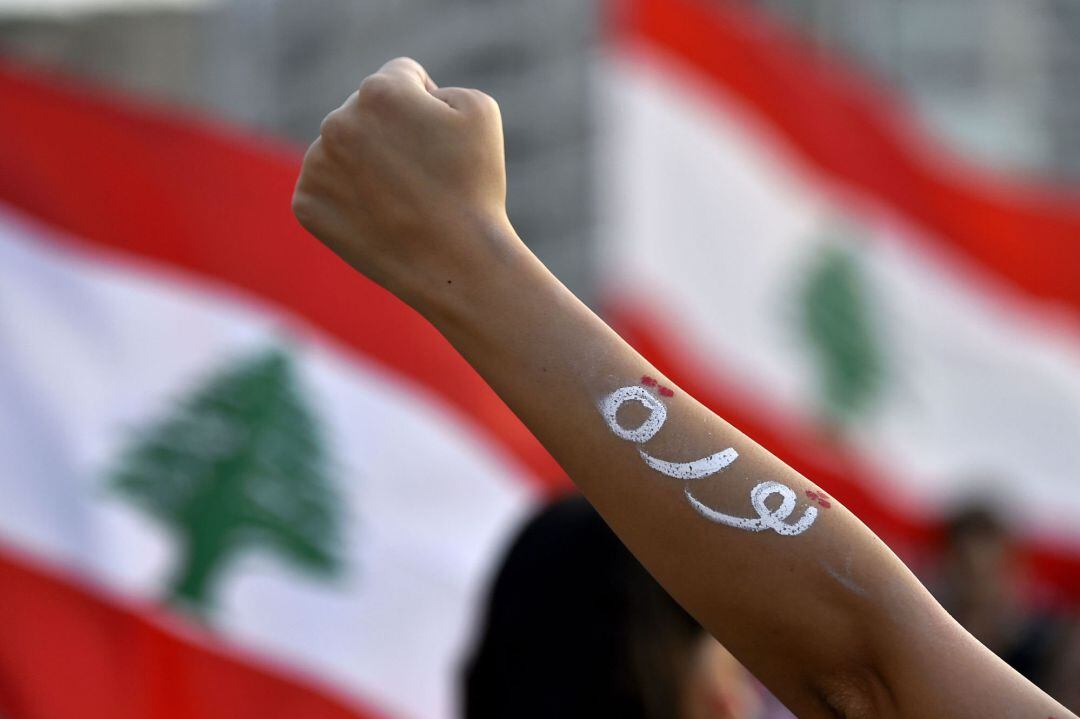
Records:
x=838, y=322
x=238, y=463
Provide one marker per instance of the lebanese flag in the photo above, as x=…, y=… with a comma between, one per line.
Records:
x=238, y=479
x=781, y=241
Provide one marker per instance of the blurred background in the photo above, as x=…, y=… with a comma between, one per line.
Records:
x=993, y=80
x=849, y=226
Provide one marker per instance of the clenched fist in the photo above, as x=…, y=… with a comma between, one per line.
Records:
x=407, y=182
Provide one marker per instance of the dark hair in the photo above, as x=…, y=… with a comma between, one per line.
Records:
x=575, y=627
x=975, y=520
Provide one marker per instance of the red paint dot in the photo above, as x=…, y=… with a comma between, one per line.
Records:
x=648, y=381
x=666, y=392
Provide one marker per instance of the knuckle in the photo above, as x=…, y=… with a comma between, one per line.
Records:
x=312, y=162
x=331, y=130
x=484, y=102
x=406, y=62
x=376, y=90
x=302, y=207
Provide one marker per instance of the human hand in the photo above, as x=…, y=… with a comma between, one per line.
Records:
x=407, y=182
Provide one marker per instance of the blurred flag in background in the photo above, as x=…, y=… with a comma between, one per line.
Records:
x=239, y=480
x=780, y=242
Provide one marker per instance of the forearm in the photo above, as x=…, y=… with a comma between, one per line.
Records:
x=796, y=608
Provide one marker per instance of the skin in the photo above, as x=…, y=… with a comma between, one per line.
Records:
x=407, y=184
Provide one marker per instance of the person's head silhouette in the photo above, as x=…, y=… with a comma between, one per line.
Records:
x=576, y=627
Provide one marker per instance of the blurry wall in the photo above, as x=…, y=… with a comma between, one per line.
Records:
x=156, y=53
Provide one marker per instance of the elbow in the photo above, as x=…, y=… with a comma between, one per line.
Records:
x=858, y=692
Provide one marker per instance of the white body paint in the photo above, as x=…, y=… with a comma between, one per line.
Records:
x=774, y=519
x=652, y=424
x=691, y=470
x=767, y=518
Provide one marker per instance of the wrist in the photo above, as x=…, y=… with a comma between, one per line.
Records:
x=482, y=283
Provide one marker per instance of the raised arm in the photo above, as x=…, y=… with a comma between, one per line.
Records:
x=407, y=184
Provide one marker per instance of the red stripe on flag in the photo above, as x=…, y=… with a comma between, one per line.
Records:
x=209, y=201
x=1029, y=236
x=67, y=652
